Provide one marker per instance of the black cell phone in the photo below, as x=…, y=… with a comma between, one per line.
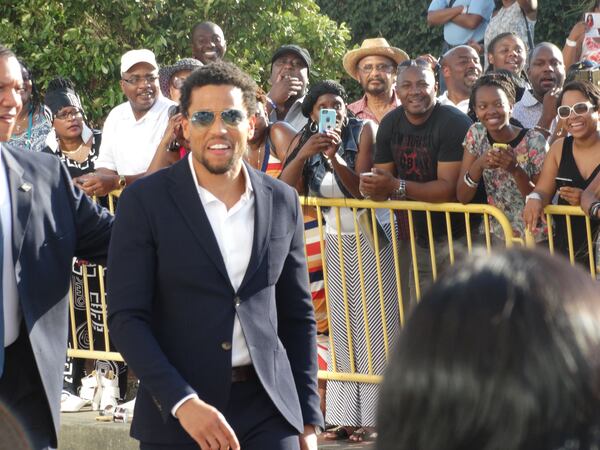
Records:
x=563, y=182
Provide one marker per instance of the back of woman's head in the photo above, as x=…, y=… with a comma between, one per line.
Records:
x=503, y=353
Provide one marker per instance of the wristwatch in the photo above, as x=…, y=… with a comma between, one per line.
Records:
x=400, y=192
x=593, y=211
x=122, y=181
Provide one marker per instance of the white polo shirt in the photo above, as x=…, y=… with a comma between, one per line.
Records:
x=128, y=145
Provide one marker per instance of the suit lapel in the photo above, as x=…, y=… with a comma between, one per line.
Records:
x=185, y=195
x=21, y=193
x=263, y=208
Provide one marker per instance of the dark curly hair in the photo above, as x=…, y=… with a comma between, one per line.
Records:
x=321, y=88
x=495, y=79
x=219, y=73
x=591, y=91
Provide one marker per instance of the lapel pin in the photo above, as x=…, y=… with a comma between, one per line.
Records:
x=25, y=187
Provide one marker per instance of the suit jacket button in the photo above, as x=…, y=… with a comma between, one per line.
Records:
x=237, y=301
x=226, y=345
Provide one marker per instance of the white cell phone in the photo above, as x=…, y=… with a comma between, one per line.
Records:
x=367, y=174
x=326, y=120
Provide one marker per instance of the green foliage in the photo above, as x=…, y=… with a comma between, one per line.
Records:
x=403, y=23
x=84, y=40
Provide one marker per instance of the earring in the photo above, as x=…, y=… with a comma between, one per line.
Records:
x=313, y=127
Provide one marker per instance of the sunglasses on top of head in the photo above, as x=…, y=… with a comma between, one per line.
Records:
x=579, y=109
x=231, y=117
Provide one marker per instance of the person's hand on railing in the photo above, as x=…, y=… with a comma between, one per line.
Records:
x=533, y=211
x=571, y=195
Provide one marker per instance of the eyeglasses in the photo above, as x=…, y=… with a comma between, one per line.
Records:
x=579, y=109
x=178, y=82
x=66, y=115
x=231, y=117
x=136, y=81
x=385, y=68
x=296, y=63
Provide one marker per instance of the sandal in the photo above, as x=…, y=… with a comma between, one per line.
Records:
x=339, y=433
x=363, y=435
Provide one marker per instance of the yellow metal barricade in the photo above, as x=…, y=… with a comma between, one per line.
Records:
x=569, y=214
x=363, y=331
x=95, y=312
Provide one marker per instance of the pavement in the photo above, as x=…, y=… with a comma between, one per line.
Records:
x=81, y=430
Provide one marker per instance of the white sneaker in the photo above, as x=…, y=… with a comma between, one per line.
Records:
x=71, y=403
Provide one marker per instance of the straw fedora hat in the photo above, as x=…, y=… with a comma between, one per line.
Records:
x=372, y=47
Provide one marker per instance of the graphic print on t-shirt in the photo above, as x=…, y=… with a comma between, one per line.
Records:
x=414, y=161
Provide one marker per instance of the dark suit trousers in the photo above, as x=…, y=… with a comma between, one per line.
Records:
x=22, y=392
x=256, y=422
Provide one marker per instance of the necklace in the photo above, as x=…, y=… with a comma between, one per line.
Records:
x=258, y=164
x=78, y=154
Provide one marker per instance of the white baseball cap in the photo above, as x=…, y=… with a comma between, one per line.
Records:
x=133, y=57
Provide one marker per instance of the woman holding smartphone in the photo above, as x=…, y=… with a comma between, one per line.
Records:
x=327, y=164
x=575, y=157
x=508, y=158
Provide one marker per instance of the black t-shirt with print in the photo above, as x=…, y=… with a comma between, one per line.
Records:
x=416, y=151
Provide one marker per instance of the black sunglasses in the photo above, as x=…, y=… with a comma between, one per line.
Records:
x=231, y=117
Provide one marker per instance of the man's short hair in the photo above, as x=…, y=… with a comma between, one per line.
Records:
x=220, y=73
x=205, y=24
x=5, y=52
x=537, y=48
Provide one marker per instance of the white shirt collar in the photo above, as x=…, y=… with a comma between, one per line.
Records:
x=207, y=197
x=528, y=100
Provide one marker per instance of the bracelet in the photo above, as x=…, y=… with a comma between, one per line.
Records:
x=534, y=196
x=272, y=104
x=469, y=181
x=571, y=43
x=542, y=129
x=593, y=211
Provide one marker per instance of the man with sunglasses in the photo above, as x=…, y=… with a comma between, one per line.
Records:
x=208, y=296
x=132, y=130
x=418, y=157
x=374, y=66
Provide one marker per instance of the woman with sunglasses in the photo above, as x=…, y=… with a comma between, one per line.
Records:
x=570, y=166
x=326, y=164
x=508, y=158
x=78, y=147
x=580, y=47
x=33, y=122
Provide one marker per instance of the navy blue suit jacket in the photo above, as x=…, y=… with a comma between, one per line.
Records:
x=51, y=222
x=172, y=306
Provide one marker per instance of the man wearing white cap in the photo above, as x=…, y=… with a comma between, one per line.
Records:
x=374, y=65
x=133, y=129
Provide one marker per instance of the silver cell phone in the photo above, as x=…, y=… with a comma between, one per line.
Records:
x=563, y=182
x=367, y=174
x=326, y=120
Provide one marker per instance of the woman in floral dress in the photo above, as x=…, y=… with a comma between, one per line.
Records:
x=509, y=171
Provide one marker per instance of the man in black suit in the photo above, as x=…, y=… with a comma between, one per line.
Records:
x=44, y=223
x=208, y=289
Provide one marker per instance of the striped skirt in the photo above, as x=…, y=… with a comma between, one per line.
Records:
x=352, y=403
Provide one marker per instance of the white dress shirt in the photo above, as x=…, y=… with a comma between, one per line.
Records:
x=529, y=111
x=10, y=296
x=463, y=105
x=235, y=252
x=128, y=145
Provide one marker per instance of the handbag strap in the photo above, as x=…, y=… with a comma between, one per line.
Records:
x=529, y=38
x=451, y=3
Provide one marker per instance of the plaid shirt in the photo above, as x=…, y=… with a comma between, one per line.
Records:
x=362, y=111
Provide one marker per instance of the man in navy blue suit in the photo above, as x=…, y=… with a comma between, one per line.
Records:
x=208, y=289
x=44, y=222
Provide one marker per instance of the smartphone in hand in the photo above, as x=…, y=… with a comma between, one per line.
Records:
x=498, y=147
x=327, y=119
x=563, y=182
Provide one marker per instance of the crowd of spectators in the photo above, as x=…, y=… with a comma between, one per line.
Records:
x=518, y=135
